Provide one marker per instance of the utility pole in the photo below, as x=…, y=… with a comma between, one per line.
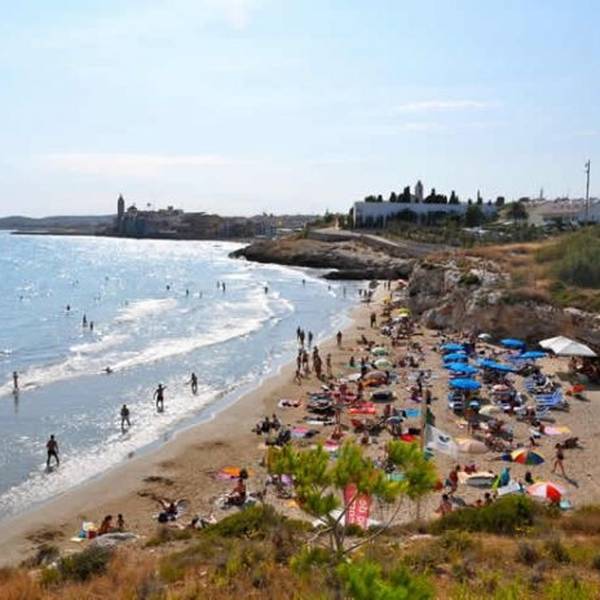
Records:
x=587, y=191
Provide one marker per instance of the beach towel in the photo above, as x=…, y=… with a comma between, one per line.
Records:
x=412, y=413
x=556, y=430
x=229, y=472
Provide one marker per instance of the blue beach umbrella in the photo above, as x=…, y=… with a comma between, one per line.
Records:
x=456, y=356
x=486, y=362
x=452, y=347
x=512, y=343
x=465, y=384
x=461, y=368
x=532, y=355
x=502, y=368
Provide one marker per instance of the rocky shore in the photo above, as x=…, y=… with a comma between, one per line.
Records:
x=349, y=259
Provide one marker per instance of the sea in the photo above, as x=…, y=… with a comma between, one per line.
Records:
x=159, y=313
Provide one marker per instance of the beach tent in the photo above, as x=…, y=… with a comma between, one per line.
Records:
x=489, y=410
x=463, y=368
x=379, y=351
x=563, y=346
x=484, y=337
x=455, y=356
x=452, y=347
x=383, y=363
x=512, y=343
x=465, y=384
x=531, y=355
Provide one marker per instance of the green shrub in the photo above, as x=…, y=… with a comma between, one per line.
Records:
x=365, y=580
x=304, y=561
x=596, y=562
x=79, y=567
x=168, y=534
x=507, y=516
x=469, y=279
x=571, y=588
x=527, y=553
x=557, y=551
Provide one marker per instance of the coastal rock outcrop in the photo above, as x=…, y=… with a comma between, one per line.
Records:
x=465, y=293
x=351, y=259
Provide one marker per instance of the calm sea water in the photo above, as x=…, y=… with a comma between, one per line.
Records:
x=146, y=333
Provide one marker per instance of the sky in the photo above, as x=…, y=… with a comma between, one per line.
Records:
x=289, y=106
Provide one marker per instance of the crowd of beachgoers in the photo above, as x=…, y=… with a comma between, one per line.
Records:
x=498, y=416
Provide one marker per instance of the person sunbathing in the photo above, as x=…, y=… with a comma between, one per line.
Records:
x=238, y=495
x=106, y=526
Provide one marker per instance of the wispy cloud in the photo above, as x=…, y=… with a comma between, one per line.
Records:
x=132, y=165
x=441, y=106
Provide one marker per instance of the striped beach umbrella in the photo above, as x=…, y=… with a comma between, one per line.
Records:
x=547, y=490
x=527, y=457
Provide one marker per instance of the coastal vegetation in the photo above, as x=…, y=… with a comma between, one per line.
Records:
x=514, y=548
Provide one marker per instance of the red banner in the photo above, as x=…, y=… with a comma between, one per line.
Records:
x=359, y=507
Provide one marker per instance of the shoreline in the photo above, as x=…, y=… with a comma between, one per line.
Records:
x=223, y=438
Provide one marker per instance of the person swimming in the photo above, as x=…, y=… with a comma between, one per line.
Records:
x=108, y=370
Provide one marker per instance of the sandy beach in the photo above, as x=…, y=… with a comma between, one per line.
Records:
x=184, y=467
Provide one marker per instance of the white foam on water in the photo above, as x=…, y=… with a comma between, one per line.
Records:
x=142, y=309
x=78, y=467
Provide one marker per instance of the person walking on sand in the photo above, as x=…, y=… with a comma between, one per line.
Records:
x=125, y=418
x=194, y=383
x=52, y=451
x=558, y=460
x=373, y=320
x=15, y=381
x=159, y=395
x=328, y=365
x=338, y=338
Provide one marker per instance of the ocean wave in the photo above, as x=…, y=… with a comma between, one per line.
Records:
x=142, y=309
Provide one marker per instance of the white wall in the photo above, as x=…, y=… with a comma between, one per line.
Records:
x=374, y=210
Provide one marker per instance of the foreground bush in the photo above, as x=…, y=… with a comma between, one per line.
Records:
x=506, y=516
x=79, y=567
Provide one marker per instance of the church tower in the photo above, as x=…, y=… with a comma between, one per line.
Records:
x=120, y=207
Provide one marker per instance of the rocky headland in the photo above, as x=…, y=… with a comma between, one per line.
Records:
x=348, y=259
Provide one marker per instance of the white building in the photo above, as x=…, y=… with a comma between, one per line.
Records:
x=568, y=211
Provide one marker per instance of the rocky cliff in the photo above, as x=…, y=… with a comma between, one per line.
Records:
x=474, y=294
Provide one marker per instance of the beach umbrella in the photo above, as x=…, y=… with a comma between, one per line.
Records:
x=452, y=347
x=463, y=368
x=512, y=343
x=456, y=356
x=383, y=363
x=546, y=489
x=496, y=366
x=489, y=410
x=524, y=456
x=471, y=446
x=532, y=355
x=464, y=384
x=563, y=346
x=379, y=351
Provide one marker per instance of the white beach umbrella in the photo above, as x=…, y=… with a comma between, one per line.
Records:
x=563, y=346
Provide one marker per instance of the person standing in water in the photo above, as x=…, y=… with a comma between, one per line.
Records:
x=52, y=450
x=310, y=339
x=91, y=325
x=223, y=286
x=125, y=418
x=159, y=395
x=84, y=321
x=15, y=381
x=194, y=383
